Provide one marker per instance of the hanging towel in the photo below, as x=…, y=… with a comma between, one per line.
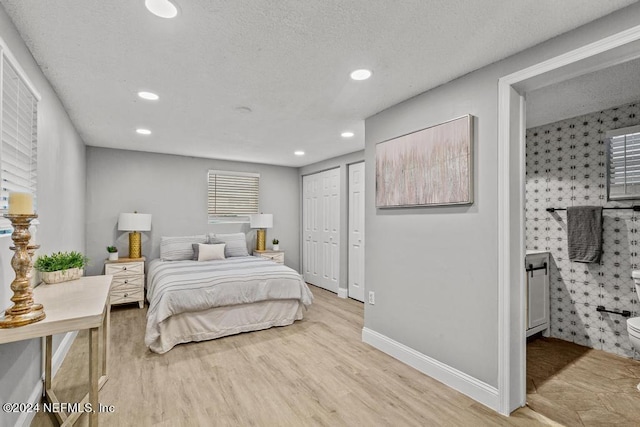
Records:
x=584, y=232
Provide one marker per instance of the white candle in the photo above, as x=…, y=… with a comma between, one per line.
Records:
x=20, y=204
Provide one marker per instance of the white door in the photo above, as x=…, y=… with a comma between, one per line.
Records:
x=321, y=228
x=310, y=210
x=332, y=232
x=538, y=298
x=356, y=231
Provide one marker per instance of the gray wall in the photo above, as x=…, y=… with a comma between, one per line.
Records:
x=434, y=270
x=343, y=163
x=174, y=190
x=61, y=210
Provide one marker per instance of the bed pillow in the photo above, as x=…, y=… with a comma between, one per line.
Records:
x=179, y=248
x=208, y=252
x=236, y=243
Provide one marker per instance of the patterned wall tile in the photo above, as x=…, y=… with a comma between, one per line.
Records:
x=566, y=166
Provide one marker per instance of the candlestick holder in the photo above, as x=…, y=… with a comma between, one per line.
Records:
x=24, y=311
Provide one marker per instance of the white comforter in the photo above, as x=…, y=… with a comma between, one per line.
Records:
x=175, y=287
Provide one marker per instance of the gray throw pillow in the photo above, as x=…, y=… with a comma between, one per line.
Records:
x=236, y=243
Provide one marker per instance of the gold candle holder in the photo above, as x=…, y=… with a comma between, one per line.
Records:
x=24, y=311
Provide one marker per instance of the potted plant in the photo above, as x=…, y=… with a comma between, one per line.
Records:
x=61, y=266
x=276, y=244
x=113, y=253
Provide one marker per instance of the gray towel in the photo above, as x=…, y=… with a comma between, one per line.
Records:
x=584, y=232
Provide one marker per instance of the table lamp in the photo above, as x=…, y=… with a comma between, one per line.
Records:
x=261, y=222
x=135, y=223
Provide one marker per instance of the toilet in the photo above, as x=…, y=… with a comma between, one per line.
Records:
x=633, y=324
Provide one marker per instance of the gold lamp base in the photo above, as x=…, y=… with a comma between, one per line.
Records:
x=261, y=236
x=135, y=245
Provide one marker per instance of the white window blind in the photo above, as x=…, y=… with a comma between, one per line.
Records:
x=232, y=194
x=624, y=163
x=18, y=134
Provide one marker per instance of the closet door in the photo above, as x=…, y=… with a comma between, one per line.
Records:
x=310, y=229
x=321, y=228
x=331, y=193
x=356, y=231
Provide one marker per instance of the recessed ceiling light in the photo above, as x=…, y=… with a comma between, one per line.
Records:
x=361, y=74
x=162, y=8
x=299, y=153
x=148, y=95
x=143, y=131
x=347, y=134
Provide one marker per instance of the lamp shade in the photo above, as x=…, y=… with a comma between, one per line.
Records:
x=134, y=222
x=261, y=221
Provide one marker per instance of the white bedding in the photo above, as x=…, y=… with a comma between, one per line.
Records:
x=176, y=287
x=224, y=321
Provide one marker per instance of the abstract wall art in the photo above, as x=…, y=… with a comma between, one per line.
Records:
x=429, y=167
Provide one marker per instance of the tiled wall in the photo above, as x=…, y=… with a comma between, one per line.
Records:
x=566, y=166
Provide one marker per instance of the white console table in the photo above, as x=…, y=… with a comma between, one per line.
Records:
x=72, y=306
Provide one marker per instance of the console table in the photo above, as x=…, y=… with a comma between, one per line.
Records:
x=72, y=306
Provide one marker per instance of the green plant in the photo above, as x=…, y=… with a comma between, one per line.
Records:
x=276, y=241
x=60, y=261
x=112, y=249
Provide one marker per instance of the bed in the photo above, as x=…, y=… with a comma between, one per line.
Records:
x=201, y=300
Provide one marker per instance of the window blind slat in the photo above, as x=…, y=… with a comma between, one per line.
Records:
x=18, y=135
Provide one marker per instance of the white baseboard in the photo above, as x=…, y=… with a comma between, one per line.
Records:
x=457, y=380
x=343, y=293
x=25, y=418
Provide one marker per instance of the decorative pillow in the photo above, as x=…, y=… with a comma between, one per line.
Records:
x=208, y=252
x=196, y=250
x=179, y=248
x=236, y=243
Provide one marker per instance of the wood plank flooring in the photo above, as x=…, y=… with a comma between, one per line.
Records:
x=579, y=386
x=316, y=372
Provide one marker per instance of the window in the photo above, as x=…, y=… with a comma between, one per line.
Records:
x=624, y=163
x=18, y=132
x=232, y=196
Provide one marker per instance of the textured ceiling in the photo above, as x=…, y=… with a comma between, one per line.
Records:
x=254, y=80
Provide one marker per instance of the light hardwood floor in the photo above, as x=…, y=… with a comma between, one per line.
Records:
x=314, y=372
x=579, y=386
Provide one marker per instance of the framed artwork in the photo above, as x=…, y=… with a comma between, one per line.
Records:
x=429, y=167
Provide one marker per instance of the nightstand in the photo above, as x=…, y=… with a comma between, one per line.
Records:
x=275, y=256
x=128, y=280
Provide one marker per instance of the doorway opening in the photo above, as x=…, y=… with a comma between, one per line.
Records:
x=617, y=49
x=573, y=349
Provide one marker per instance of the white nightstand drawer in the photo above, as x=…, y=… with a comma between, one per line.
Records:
x=124, y=269
x=279, y=258
x=275, y=256
x=126, y=296
x=119, y=282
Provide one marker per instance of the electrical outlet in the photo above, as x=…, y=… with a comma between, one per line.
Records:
x=372, y=297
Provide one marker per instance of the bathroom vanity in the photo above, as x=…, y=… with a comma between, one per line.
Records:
x=538, y=268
